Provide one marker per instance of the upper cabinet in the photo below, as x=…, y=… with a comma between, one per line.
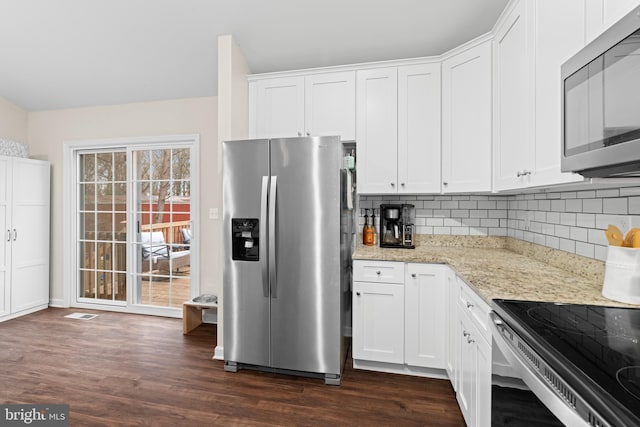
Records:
x=466, y=120
x=398, y=129
x=601, y=14
x=313, y=105
x=531, y=42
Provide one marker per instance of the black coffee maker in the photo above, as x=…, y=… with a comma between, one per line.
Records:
x=397, y=226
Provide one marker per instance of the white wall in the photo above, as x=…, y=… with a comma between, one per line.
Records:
x=49, y=130
x=13, y=122
x=233, y=123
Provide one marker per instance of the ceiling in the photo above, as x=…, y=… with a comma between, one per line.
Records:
x=74, y=53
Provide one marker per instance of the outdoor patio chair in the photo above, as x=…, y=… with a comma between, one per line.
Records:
x=158, y=255
x=186, y=237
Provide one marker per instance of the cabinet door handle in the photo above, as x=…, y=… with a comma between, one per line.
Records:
x=402, y=183
x=15, y=235
x=470, y=340
x=445, y=183
x=465, y=333
x=413, y=275
x=308, y=133
x=378, y=272
x=8, y=235
x=469, y=305
x=299, y=133
x=393, y=184
x=358, y=293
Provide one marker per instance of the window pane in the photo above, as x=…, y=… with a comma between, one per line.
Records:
x=87, y=197
x=105, y=226
x=120, y=166
x=104, y=166
x=87, y=167
x=87, y=226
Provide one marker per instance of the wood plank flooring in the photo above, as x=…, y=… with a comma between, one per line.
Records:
x=131, y=370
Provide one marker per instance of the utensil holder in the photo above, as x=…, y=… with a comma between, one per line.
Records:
x=622, y=275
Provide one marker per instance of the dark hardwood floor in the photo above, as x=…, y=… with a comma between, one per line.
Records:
x=120, y=369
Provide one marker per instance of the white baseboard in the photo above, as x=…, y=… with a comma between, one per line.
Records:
x=57, y=302
x=402, y=369
x=218, y=353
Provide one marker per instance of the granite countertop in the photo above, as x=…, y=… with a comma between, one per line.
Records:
x=495, y=271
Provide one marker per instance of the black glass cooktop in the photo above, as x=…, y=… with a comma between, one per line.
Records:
x=595, y=349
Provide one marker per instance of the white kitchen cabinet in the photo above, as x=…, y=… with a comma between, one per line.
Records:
x=474, y=369
x=398, y=129
x=530, y=45
x=24, y=252
x=601, y=14
x=279, y=110
x=466, y=120
x=313, y=105
x=425, y=315
x=377, y=130
x=558, y=29
x=399, y=317
x=330, y=105
x=452, y=354
x=378, y=322
x=513, y=70
x=419, y=128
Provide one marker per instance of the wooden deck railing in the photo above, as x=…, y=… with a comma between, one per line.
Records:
x=172, y=231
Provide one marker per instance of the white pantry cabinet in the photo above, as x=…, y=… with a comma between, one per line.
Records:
x=532, y=41
x=24, y=251
x=466, y=120
x=399, y=317
x=312, y=105
x=398, y=129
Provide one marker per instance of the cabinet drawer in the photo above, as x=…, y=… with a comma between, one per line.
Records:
x=475, y=307
x=378, y=271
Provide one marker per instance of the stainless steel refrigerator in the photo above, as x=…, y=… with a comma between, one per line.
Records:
x=287, y=249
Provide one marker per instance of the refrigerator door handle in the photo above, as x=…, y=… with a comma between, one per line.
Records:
x=264, y=236
x=272, y=237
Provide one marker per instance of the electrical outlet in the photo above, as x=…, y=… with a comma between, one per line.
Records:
x=213, y=213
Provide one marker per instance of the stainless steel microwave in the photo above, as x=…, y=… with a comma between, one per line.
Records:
x=601, y=104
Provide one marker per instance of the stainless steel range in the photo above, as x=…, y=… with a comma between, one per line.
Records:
x=581, y=361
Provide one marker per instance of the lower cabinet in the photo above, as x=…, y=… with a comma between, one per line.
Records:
x=378, y=322
x=475, y=360
x=424, y=320
x=399, y=317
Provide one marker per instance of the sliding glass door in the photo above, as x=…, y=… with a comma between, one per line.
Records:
x=162, y=207
x=134, y=226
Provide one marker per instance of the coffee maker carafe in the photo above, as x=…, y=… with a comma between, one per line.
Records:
x=397, y=226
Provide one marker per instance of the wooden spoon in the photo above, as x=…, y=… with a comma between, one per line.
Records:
x=614, y=235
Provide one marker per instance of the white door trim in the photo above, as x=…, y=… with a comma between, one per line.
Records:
x=69, y=222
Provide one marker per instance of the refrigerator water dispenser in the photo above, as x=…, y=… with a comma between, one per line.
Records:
x=245, y=241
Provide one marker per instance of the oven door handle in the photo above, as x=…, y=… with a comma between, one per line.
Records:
x=532, y=378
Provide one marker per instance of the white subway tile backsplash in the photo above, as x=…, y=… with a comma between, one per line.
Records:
x=610, y=192
x=573, y=205
x=586, y=220
x=571, y=221
x=615, y=206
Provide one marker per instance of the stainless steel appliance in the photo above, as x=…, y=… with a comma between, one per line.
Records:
x=287, y=248
x=601, y=104
x=581, y=361
x=397, y=226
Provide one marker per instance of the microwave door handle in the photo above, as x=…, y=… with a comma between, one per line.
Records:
x=263, y=233
x=273, y=276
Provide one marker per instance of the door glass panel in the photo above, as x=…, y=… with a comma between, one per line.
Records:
x=163, y=216
x=102, y=223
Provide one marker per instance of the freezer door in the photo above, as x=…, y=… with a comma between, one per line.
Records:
x=305, y=292
x=245, y=279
